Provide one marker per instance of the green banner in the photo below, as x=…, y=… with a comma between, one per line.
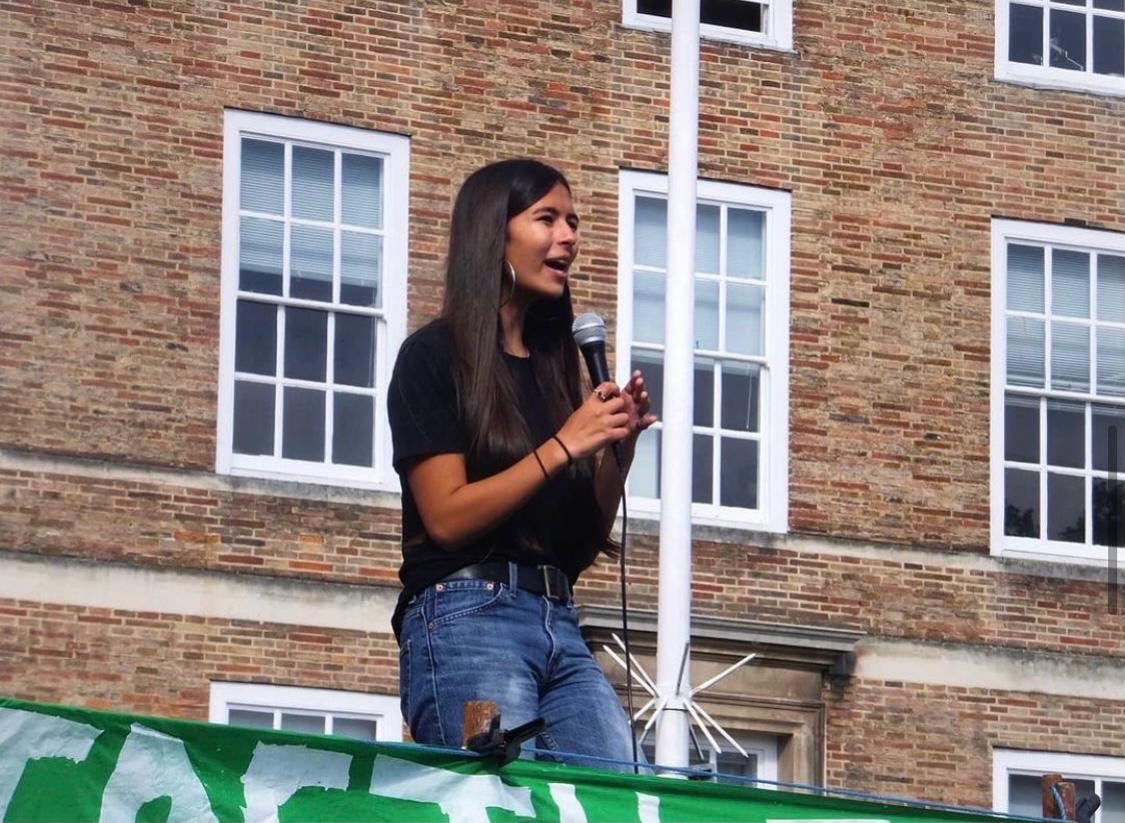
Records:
x=66, y=764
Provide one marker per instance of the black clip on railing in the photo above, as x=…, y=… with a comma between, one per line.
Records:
x=504, y=745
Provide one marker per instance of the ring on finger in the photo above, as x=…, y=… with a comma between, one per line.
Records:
x=601, y=395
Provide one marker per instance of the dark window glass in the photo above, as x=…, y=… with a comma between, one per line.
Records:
x=1066, y=508
x=738, y=481
x=1110, y=5
x=259, y=255
x=1108, y=506
x=1021, y=503
x=302, y=434
x=313, y=183
x=1021, y=428
x=740, y=396
x=704, y=399
x=263, y=172
x=355, y=350
x=353, y=426
x=1025, y=34
x=1066, y=434
x=306, y=344
x=702, y=446
x=310, y=263
x=1108, y=424
x=1109, y=46
x=1068, y=40
x=253, y=417
x=732, y=14
x=255, y=348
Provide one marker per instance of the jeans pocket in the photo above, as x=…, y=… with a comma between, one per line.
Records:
x=457, y=599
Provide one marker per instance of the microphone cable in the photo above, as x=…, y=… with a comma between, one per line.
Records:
x=625, y=610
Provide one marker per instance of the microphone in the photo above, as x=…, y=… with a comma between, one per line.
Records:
x=589, y=334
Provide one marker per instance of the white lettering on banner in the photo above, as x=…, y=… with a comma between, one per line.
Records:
x=27, y=736
x=151, y=766
x=648, y=808
x=464, y=798
x=570, y=810
x=276, y=773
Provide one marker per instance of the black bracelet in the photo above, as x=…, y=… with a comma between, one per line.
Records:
x=539, y=460
x=562, y=445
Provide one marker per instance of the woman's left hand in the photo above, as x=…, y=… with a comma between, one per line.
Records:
x=637, y=405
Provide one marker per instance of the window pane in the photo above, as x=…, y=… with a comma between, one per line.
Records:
x=362, y=180
x=744, y=319
x=1111, y=288
x=355, y=350
x=1025, y=352
x=1066, y=434
x=702, y=446
x=648, y=307
x=738, y=473
x=263, y=173
x=1109, y=48
x=302, y=434
x=706, y=314
x=745, y=233
x=1021, y=503
x=1025, y=796
x=1104, y=420
x=650, y=246
x=306, y=344
x=313, y=184
x=355, y=728
x=1113, y=802
x=1111, y=5
x=1108, y=505
x=1111, y=362
x=1021, y=428
x=259, y=255
x=651, y=364
x=253, y=417
x=1070, y=283
x=1070, y=357
x=740, y=399
x=704, y=393
x=1066, y=508
x=361, y=262
x=310, y=263
x=644, y=476
x=732, y=14
x=307, y=723
x=249, y=717
x=1025, y=34
x=1068, y=40
x=255, y=348
x=663, y=8
x=353, y=426
x=707, y=239
x=1025, y=278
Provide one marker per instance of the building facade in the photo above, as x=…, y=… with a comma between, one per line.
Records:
x=221, y=219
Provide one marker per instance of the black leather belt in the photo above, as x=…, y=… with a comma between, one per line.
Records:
x=545, y=580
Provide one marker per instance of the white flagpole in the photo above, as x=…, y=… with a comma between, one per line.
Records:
x=674, y=604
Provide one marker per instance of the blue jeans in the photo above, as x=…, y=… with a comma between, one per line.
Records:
x=479, y=640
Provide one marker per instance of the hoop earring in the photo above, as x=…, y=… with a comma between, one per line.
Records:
x=511, y=270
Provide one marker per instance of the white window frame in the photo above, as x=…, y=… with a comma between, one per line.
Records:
x=778, y=34
x=1049, y=76
x=1042, y=234
x=1006, y=762
x=391, y=317
x=383, y=709
x=763, y=746
x=772, y=514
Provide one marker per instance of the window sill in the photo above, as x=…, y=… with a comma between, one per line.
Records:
x=1105, y=85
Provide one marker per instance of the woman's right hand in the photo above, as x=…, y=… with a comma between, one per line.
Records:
x=596, y=423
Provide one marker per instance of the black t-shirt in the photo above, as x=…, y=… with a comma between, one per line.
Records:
x=426, y=419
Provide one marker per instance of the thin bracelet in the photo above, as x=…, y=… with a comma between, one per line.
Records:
x=562, y=445
x=542, y=468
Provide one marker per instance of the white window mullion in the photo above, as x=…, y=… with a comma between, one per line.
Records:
x=329, y=387
x=279, y=390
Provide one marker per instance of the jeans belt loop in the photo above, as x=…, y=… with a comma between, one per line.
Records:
x=548, y=582
x=513, y=575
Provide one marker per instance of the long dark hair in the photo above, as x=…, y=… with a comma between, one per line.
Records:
x=476, y=284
